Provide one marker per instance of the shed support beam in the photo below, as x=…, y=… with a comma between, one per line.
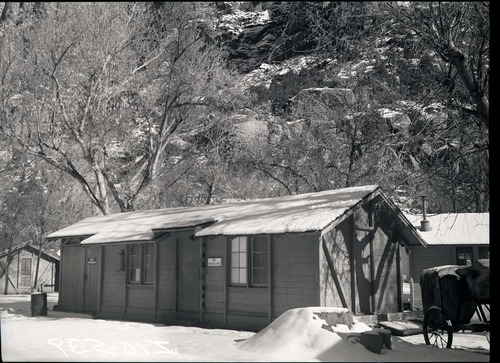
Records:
x=226, y=272
x=352, y=260
x=270, y=279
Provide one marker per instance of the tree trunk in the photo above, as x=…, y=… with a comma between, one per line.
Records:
x=9, y=257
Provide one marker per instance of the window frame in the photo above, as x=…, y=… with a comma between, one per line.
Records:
x=142, y=258
x=250, y=259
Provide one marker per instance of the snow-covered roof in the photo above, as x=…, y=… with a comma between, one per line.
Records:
x=289, y=214
x=454, y=228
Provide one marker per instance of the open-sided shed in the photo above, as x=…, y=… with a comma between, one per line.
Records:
x=239, y=265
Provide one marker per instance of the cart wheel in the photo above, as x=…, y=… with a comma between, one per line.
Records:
x=437, y=329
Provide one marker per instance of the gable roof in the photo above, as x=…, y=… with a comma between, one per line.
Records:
x=454, y=228
x=33, y=249
x=307, y=212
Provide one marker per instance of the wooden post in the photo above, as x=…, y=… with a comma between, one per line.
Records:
x=127, y=262
x=352, y=256
x=99, y=280
x=61, y=261
x=176, y=244
x=226, y=270
x=371, y=236
x=270, y=279
x=18, y=268
x=157, y=278
x=398, y=278
x=202, y=276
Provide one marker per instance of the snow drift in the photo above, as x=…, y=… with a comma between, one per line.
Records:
x=300, y=332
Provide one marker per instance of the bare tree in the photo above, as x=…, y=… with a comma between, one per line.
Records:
x=105, y=92
x=459, y=32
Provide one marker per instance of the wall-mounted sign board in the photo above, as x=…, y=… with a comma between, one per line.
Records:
x=91, y=260
x=215, y=261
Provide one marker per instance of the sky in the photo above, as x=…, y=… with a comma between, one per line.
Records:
x=296, y=335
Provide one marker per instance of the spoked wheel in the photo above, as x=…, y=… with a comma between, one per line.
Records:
x=437, y=328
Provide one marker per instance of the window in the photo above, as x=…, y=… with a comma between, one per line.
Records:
x=259, y=261
x=249, y=261
x=26, y=271
x=141, y=263
x=464, y=256
x=483, y=252
x=239, y=261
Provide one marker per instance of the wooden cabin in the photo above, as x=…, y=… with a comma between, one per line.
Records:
x=239, y=265
x=451, y=239
x=22, y=270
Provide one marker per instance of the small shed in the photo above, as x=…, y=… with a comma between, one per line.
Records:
x=22, y=269
x=452, y=239
x=239, y=265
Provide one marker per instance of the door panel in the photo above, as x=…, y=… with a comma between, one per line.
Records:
x=72, y=278
x=188, y=279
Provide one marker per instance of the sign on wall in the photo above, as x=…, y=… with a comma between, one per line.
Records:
x=91, y=260
x=215, y=261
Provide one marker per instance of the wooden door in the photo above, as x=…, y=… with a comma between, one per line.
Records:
x=91, y=278
x=72, y=278
x=188, y=277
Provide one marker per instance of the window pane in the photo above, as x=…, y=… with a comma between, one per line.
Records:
x=464, y=255
x=257, y=260
x=235, y=260
x=135, y=275
x=264, y=276
x=135, y=249
x=243, y=244
x=257, y=277
x=235, y=275
x=148, y=269
x=243, y=260
x=264, y=244
x=483, y=252
x=243, y=276
x=256, y=244
x=149, y=250
x=235, y=244
x=135, y=263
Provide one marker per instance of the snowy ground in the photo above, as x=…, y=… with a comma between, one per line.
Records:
x=295, y=336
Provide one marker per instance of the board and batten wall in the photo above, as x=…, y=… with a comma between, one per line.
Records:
x=294, y=283
x=155, y=302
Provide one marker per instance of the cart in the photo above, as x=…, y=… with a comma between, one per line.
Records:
x=451, y=295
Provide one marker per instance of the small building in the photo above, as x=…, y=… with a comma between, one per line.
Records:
x=452, y=239
x=22, y=270
x=239, y=265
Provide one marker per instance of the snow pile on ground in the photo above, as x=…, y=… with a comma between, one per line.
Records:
x=301, y=333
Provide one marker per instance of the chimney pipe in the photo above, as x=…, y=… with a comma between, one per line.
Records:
x=425, y=225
